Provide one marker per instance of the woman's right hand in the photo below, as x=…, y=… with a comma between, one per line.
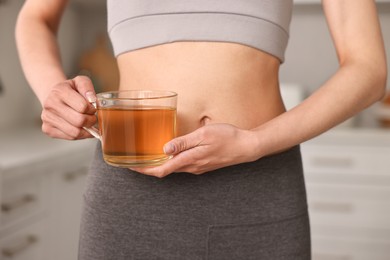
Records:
x=67, y=109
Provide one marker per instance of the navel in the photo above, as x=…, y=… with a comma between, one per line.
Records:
x=205, y=120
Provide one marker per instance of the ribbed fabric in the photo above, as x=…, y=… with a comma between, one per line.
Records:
x=261, y=24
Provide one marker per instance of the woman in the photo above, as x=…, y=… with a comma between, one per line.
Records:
x=234, y=188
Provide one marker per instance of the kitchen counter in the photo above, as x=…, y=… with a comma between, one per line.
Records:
x=20, y=147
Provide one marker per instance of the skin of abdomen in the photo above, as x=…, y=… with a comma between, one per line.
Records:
x=216, y=82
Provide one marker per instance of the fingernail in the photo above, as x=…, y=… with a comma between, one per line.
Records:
x=90, y=96
x=169, y=149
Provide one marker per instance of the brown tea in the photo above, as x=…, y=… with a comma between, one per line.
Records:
x=136, y=135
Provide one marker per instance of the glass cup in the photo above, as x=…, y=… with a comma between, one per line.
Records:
x=134, y=125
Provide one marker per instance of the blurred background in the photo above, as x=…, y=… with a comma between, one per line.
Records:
x=42, y=180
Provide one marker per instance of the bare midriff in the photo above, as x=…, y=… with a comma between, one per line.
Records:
x=215, y=82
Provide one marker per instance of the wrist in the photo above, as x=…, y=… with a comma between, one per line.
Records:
x=266, y=140
x=253, y=146
x=43, y=91
x=257, y=144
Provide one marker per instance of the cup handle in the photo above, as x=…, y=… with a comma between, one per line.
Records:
x=93, y=130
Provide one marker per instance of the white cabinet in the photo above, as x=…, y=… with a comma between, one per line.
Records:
x=22, y=197
x=347, y=174
x=24, y=213
x=69, y=184
x=41, y=185
x=27, y=243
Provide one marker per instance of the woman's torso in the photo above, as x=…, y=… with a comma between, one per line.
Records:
x=216, y=82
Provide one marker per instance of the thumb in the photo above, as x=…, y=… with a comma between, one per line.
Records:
x=84, y=86
x=182, y=143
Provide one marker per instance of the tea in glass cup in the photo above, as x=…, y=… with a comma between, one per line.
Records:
x=135, y=125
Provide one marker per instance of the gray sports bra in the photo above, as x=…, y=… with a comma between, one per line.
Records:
x=262, y=24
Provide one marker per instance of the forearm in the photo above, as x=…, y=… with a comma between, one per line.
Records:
x=353, y=88
x=359, y=82
x=39, y=54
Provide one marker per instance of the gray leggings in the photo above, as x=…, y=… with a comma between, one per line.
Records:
x=248, y=211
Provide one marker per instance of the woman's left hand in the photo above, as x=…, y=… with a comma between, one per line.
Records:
x=208, y=148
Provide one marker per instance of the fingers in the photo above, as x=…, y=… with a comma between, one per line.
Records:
x=180, y=147
x=66, y=110
x=185, y=142
x=77, y=93
x=160, y=171
x=183, y=162
x=207, y=148
x=186, y=149
x=84, y=86
x=68, y=123
x=69, y=114
x=57, y=133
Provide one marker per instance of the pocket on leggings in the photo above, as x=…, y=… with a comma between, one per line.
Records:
x=287, y=239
